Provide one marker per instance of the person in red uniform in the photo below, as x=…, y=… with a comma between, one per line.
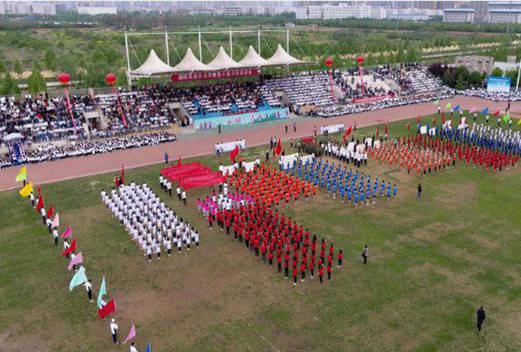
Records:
x=303, y=271
x=340, y=259
x=329, y=271
x=321, y=273
x=312, y=266
x=279, y=263
x=286, y=268
x=295, y=274
x=270, y=257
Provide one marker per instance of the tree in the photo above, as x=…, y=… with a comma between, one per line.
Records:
x=461, y=83
x=50, y=60
x=497, y=71
x=475, y=79
x=447, y=78
x=18, y=67
x=2, y=67
x=413, y=55
x=36, y=81
x=8, y=85
x=513, y=76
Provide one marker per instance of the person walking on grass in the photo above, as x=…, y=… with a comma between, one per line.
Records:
x=114, y=331
x=480, y=315
x=420, y=189
x=88, y=287
x=165, y=156
x=365, y=253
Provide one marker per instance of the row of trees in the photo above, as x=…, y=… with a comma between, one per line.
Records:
x=461, y=78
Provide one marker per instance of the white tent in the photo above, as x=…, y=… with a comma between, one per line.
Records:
x=152, y=66
x=281, y=57
x=252, y=59
x=190, y=63
x=222, y=61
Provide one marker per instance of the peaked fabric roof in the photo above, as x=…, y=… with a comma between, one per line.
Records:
x=223, y=61
x=190, y=63
x=152, y=66
x=281, y=57
x=252, y=59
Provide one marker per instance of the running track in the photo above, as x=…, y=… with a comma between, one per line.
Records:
x=203, y=143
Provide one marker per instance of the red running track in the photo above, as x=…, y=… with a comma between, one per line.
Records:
x=203, y=144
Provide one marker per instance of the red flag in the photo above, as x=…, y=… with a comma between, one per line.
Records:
x=179, y=160
x=377, y=133
x=347, y=133
x=71, y=249
x=50, y=212
x=122, y=174
x=496, y=113
x=108, y=309
x=278, y=148
x=386, y=128
x=41, y=203
x=418, y=119
x=443, y=118
x=409, y=126
x=434, y=121
x=234, y=153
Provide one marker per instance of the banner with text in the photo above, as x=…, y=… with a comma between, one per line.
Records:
x=204, y=76
x=242, y=119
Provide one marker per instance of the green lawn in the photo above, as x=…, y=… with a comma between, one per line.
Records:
x=432, y=263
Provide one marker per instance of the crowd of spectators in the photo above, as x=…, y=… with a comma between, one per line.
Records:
x=493, y=96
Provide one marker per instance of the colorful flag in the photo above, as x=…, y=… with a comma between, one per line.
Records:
x=506, y=118
x=28, y=189
x=78, y=259
x=22, y=174
x=347, y=133
x=108, y=309
x=179, y=160
x=484, y=111
x=278, y=148
x=67, y=233
x=519, y=122
x=448, y=106
x=149, y=347
x=41, y=203
x=71, y=249
x=457, y=108
x=496, y=113
x=50, y=212
x=122, y=174
x=102, y=292
x=56, y=221
x=78, y=279
x=131, y=333
x=234, y=153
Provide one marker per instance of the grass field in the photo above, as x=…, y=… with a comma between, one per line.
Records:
x=432, y=263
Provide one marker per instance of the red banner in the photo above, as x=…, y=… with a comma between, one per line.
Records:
x=204, y=76
x=369, y=99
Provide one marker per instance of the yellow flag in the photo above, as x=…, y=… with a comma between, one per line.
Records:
x=519, y=122
x=22, y=175
x=28, y=188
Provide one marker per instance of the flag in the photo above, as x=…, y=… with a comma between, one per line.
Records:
x=41, y=203
x=278, y=147
x=457, y=108
x=78, y=259
x=442, y=118
x=102, y=291
x=39, y=191
x=22, y=174
x=234, y=153
x=28, y=189
x=418, y=119
x=179, y=160
x=519, y=122
x=506, y=118
x=448, y=106
x=56, y=221
x=50, y=212
x=484, y=111
x=78, y=279
x=496, y=113
x=386, y=129
x=122, y=174
x=71, y=249
x=131, y=333
x=409, y=126
x=67, y=233
x=347, y=133
x=149, y=348
x=108, y=309
x=437, y=102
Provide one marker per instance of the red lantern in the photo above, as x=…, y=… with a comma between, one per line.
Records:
x=64, y=78
x=360, y=60
x=110, y=79
x=329, y=62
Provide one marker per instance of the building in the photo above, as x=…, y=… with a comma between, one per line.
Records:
x=476, y=63
x=504, y=12
x=510, y=65
x=412, y=14
x=460, y=15
x=333, y=12
x=97, y=10
x=43, y=9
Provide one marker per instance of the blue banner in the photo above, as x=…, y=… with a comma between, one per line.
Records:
x=271, y=114
x=498, y=84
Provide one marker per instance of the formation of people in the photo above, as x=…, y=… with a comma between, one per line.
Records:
x=149, y=222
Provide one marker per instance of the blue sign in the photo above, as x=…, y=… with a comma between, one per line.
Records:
x=271, y=114
x=498, y=84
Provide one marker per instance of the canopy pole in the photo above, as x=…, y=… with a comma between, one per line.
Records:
x=166, y=48
x=287, y=41
x=200, y=46
x=231, y=43
x=518, y=74
x=258, y=42
x=129, y=79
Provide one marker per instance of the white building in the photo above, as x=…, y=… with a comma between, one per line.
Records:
x=97, y=10
x=332, y=12
x=460, y=15
x=504, y=16
x=43, y=9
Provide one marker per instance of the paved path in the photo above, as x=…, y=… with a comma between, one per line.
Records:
x=203, y=143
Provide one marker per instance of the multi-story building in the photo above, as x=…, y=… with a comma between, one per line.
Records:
x=43, y=9
x=476, y=63
x=97, y=10
x=504, y=12
x=331, y=12
x=459, y=15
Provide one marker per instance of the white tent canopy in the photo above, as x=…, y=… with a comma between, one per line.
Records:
x=152, y=66
x=281, y=57
x=222, y=61
x=190, y=63
x=252, y=59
